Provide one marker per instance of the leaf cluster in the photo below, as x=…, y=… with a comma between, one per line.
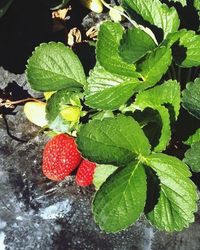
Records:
x=129, y=103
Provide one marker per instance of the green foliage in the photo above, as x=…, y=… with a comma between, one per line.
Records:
x=102, y=172
x=155, y=13
x=135, y=37
x=113, y=146
x=193, y=138
x=165, y=131
x=107, y=52
x=174, y=37
x=191, y=98
x=167, y=93
x=130, y=102
x=191, y=43
x=117, y=141
x=197, y=4
x=104, y=87
x=121, y=199
x=177, y=201
x=156, y=98
x=191, y=104
x=192, y=157
x=58, y=102
x=54, y=66
x=154, y=66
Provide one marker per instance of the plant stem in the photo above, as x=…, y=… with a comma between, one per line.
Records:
x=145, y=29
x=9, y=103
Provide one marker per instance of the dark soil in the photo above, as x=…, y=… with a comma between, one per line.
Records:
x=29, y=23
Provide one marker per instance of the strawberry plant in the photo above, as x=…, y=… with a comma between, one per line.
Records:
x=123, y=112
x=191, y=103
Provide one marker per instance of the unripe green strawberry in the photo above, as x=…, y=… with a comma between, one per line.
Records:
x=60, y=157
x=84, y=176
x=71, y=113
x=36, y=113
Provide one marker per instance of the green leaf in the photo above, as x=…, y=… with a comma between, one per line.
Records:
x=173, y=37
x=109, y=37
x=151, y=123
x=116, y=141
x=178, y=196
x=155, y=13
x=102, y=115
x=135, y=44
x=193, y=138
x=159, y=136
x=153, y=189
x=167, y=93
x=191, y=98
x=197, y=4
x=102, y=172
x=54, y=66
x=154, y=66
x=191, y=42
x=121, y=199
x=166, y=130
x=108, y=91
x=192, y=157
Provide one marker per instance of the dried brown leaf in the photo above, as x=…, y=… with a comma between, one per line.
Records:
x=74, y=36
x=92, y=32
x=60, y=14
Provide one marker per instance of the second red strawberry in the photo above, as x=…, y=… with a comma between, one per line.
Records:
x=84, y=176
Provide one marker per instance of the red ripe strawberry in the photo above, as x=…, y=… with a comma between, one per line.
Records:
x=84, y=176
x=60, y=157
